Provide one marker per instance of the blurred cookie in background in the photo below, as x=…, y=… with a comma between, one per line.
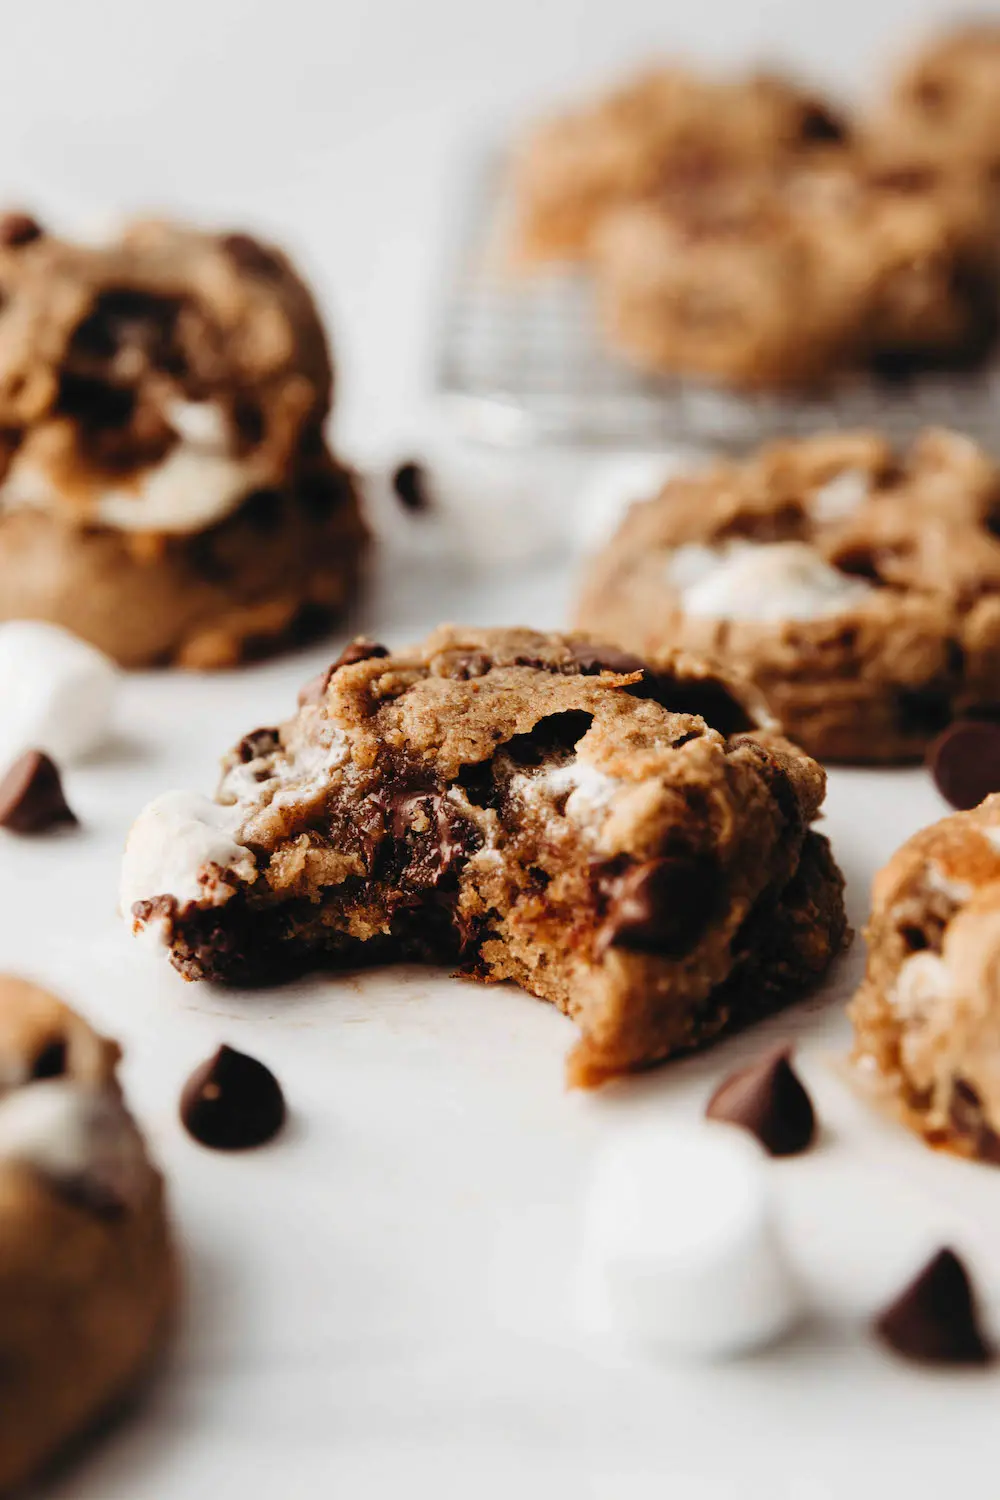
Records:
x=858, y=587
x=166, y=489
x=945, y=98
x=667, y=126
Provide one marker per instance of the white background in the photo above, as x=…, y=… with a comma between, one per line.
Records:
x=378, y=1305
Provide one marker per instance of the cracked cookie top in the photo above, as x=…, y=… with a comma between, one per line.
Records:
x=153, y=382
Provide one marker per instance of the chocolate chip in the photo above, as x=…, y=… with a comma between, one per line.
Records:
x=464, y=668
x=258, y=743
x=968, y=1118
x=51, y=1061
x=409, y=482
x=250, y=255
x=592, y=660
x=820, y=125
x=662, y=905
x=769, y=1100
x=94, y=402
x=435, y=839
x=263, y=509
x=31, y=795
x=934, y=1319
x=965, y=762
x=232, y=1102
x=17, y=229
x=126, y=322
x=360, y=649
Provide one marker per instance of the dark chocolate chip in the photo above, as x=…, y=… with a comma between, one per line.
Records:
x=93, y=401
x=259, y=742
x=263, y=509
x=250, y=255
x=51, y=1061
x=427, y=854
x=968, y=1119
x=232, y=1102
x=819, y=124
x=592, y=660
x=934, y=1319
x=767, y=1099
x=31, y=795
x=17, y=229
x=662, y=905
x=409, y=483
x=965, y=762
x=127, y=320
x=360, y=649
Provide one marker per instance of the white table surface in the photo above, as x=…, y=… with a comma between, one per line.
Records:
x=377, y=1304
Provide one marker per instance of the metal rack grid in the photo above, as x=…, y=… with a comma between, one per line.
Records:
x=520, y=360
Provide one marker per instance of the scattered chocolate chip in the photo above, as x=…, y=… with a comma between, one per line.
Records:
x=17, y=229
x=767, y=1099
x=360, y=649
x=31, y=795
x=260, y=742
x=232, y=1102
x=965, y=762
x=662, y=905
x=250, y=255
x=934, y=1319
x=409, y=483
x=51, y=1061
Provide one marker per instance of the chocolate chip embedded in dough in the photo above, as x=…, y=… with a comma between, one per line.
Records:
x=770, y=1101
x=17, y=229
x=965, y=762
x=934, y=1319
x=232, y=1102
x=360, y=649
x=258, y=743
x=662, y=905
x=591, y=660
x=31, y=796
x=50, y=1062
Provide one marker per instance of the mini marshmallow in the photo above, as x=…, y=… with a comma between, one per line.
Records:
x=57, y=692
x=81, y=1138
x=841, y=496
x=173, y=843
x=768, y=582
x=680, y=1250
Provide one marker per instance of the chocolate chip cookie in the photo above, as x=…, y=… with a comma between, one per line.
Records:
x=666, y=126
x=165, y=486
x=789, y=277
x=87, y=1275
x=926, y=1016
x=945, y=99
x=859, y=588
x=631, y=844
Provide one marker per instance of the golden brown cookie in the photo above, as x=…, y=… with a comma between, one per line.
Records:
x=666, y=126
x=788, y=276
x=945, y=99
x=165, y=486
x=632, y=845
x=927, y=1015
x=87, y=1271
x=858, y=588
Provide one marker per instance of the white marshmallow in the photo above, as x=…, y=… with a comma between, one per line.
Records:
x=196, y=484
x=57, y=692
x=589, y=790
x=172, y=843
x=841, y=496
x=76, y=1135
x=616, y=484
x=767, y=582
x=680, y=1250
x=922, y=982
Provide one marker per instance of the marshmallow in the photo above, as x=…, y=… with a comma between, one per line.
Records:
x=680, y=1250
x=617, y=483
x=81, y=1138
x=762, y=581
x=57, y=692
x=840, y=497
x=173, y=843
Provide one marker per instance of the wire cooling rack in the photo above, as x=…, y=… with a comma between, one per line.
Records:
x=520, y=360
